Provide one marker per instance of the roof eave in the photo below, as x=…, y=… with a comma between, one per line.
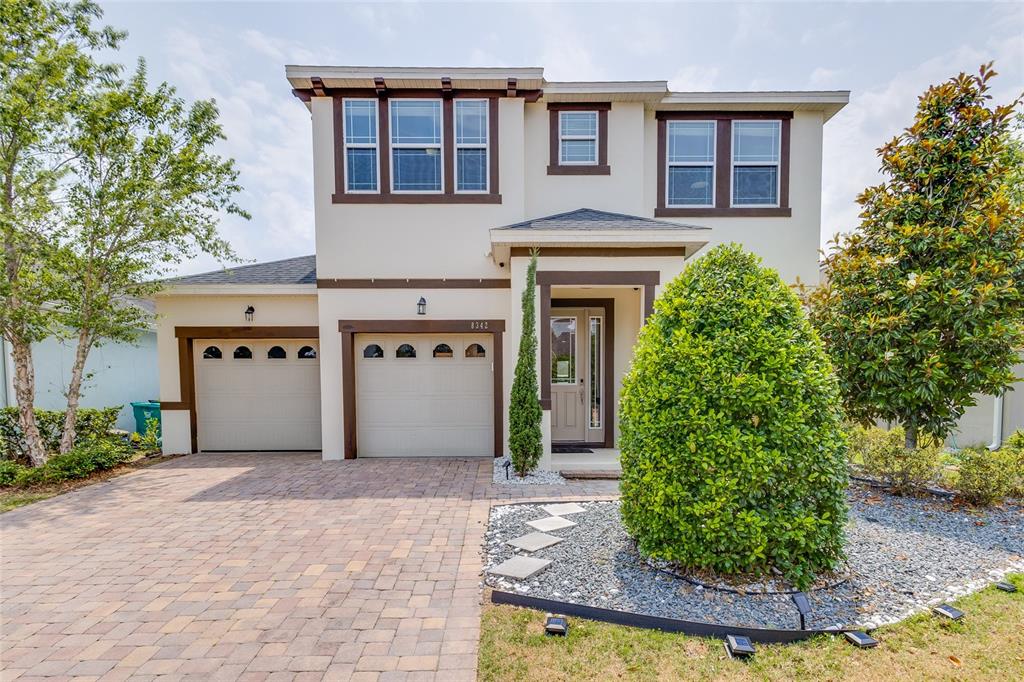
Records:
x=237, y=289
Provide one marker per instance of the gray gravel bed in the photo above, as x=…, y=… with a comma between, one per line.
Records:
x=537, y=477
x=904, y=554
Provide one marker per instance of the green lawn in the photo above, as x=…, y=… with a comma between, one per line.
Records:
x=987, y=645
x=12, y=498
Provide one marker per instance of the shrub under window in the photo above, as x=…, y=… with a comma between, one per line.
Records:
x=733, y=452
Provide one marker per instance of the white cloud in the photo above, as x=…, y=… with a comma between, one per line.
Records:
x=822, y=77
x=694, y=79
x=564, y=53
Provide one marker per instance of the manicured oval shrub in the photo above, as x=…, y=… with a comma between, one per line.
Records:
x=733, y=451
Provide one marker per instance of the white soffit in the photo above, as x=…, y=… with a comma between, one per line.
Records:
x=610, y=91
x=829, y=102
x=467, y=78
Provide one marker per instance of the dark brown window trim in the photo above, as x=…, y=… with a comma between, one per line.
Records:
x=408, y=283
x=348, y=330
x=723, y=164
x=186, y=361
x=384, y=195
x=608, y=364
x=648, y=279
x=602, y=167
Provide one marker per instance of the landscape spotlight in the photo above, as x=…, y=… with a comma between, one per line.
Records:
x=556, y=625
x=861, y=639
x=803, y=605
x=1005, y=586
x=737, y=646
x=948, y=611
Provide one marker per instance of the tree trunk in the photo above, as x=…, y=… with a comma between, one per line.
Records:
x=25, y=390
x=67, y=439
x=911, y=436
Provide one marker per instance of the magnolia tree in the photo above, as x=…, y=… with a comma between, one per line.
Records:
x=922, y=307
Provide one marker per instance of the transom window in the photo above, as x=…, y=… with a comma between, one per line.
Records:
x=577, y=136
x=471, y=133
x=691, y=163
x=361, y=166
x=755, y=163
x=416, y=145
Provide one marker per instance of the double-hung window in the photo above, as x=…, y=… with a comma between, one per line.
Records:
x=577, y=138
x=691, y=164
x=471, y=133
x=361, y=165
x=416, y=145
x=755, y=163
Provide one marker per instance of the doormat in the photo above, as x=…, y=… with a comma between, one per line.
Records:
x=570, y=450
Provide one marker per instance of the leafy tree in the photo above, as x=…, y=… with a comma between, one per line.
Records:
x=732, y=448
x=46, y=68
x=922, y=307
x=146, y=194
x=524, y=413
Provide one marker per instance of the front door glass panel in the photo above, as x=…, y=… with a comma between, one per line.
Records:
x=563, y=350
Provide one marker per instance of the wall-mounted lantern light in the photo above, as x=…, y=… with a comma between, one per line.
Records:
x=250, y=313
x=421, y=306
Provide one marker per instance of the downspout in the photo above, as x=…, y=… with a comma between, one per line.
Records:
x=997, y=423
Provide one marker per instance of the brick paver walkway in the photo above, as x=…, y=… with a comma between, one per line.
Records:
x=253, y=567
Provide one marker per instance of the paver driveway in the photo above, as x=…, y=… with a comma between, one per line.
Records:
x=253, y=566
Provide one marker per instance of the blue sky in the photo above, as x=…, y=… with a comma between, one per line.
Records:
x=235, y=52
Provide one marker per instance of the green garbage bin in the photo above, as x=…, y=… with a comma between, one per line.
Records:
x=145, y=411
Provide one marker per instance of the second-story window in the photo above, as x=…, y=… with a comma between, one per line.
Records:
x=361, y=164
x=755, y=163
x=471, y=133
x=577, y=135
x=691, y=163
x=416, y=145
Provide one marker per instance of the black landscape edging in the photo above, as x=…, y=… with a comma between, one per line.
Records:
x=639, y=620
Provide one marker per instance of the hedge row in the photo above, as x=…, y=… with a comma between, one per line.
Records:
x=92, y=424
x=85, y=459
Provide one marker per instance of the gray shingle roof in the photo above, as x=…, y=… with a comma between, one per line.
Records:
x=592, y=219
x=301, y=270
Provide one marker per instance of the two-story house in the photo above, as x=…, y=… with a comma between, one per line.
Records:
x=432, y=186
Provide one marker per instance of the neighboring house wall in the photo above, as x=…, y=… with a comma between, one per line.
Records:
x=976, y=426
x=121, y=373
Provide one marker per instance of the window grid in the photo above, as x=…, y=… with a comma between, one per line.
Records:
x=590, y=136
x=754, y=161
x=708, y=163
x=465, y=142
x=368, y=143
x=435, y=143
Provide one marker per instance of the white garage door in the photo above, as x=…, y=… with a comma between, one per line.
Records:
x=424, y=395
x=256, y=394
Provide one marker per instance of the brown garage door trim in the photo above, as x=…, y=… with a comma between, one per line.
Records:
x=186, y=361
x=349, y=328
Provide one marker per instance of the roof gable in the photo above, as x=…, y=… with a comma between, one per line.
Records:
x=592, y=219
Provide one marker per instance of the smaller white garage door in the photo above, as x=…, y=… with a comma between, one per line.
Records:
x=254, y=394
x=424, y=395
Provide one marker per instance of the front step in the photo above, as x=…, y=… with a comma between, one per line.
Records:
x=591, y=474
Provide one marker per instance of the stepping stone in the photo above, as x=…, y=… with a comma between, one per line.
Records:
x=531, y=542
x=563, y=508
x=551, y=523
x=520, y=567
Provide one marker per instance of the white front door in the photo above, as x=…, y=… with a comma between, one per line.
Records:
x=424, y=395
x=257, y=394
x=577, y=370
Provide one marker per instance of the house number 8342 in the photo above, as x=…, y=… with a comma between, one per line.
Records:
x=478, y=325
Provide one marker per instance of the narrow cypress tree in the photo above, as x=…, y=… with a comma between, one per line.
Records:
x=524, y=414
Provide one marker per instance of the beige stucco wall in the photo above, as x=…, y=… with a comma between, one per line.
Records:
x=975, y=427
x=212, y=310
